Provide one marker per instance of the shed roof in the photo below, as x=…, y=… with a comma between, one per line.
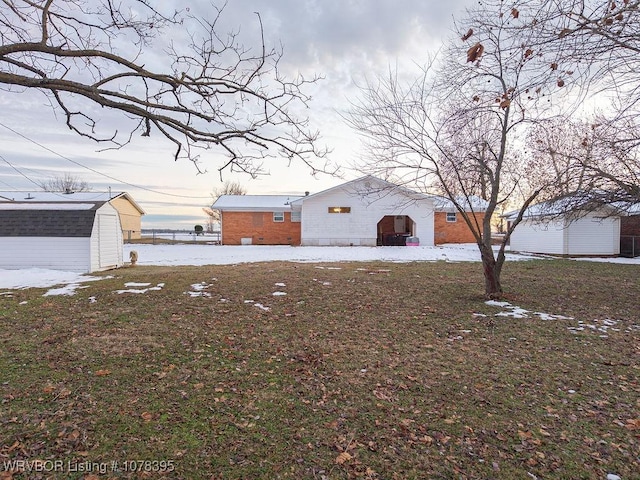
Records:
x=254, y=203
x=51, y=197
x=18, y=219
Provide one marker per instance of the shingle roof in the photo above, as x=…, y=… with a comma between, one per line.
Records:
x=254, y=203
x=47, y=222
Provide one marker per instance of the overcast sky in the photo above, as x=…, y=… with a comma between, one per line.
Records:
x=341, y=40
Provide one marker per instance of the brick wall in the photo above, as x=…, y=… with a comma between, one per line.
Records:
x=630, y=225
x=260, y=227
x=453, y=232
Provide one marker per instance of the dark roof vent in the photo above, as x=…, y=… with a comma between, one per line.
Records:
x=29, y=197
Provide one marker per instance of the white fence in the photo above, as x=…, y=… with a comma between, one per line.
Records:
x=207, y=238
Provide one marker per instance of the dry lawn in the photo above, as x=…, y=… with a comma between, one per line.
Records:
x=377, y=371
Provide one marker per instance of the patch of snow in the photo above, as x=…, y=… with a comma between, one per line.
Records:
x=495, y=303
x=136, y=284
x=279, y=294
x=142, y=290
x=280, y=284
x=66, y=290
x=518, y=312
x=261, y=307
x=42, y=278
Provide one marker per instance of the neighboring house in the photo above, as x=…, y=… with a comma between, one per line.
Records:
x=129, y=211
x=630, y=232
x=258, y=220
x=546, y=230
x=450, y=227
x=76, y=236
x=366, y=211
x=130, y=215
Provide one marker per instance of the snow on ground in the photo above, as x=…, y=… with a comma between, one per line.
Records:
x=189, y=254
x=203, y=254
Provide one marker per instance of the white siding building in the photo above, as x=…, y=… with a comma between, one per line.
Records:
x=367, y=211
x=72, y=236
x=590, y=234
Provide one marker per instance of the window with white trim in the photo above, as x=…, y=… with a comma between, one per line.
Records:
x=278, y=216
x=452, y=217
x=296, y=216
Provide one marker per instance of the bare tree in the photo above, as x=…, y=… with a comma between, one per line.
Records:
x=228, y=188
x=66, y=183
x=204, y=91
x=598, y=44
x=600, y=160
x=459, y=128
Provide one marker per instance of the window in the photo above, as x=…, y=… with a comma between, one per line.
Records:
x=296, y=216
x=339, y=209
x=451, y=217
x=278, y=216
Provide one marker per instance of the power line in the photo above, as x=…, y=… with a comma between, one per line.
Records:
x=88, y=168
x=19, y=172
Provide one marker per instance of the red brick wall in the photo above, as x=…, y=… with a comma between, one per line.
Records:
x=630, y=225
x=260, y=227
x=453, y=232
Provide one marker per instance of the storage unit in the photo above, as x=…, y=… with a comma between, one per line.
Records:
x=80, y=237
x=594, y=233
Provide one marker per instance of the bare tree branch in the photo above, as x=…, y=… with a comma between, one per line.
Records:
x=209, y=92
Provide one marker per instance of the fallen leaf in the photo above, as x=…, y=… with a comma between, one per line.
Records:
x=343, y=457
x=146, y=416
x=102, y=373
x=633, y=424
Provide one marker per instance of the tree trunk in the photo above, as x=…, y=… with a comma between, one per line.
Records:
x=491, y=269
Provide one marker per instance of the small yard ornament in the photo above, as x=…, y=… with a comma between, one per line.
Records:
x=133, y=256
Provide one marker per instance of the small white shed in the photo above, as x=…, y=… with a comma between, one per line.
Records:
x=366, y=211
x=79, y=237
x=588, y=234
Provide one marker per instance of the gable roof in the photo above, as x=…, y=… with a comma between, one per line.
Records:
x=52, y=197
x=26, y=219
x=254, y=203
x=365, y=186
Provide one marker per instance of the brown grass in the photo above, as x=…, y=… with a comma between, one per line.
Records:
x=370, y=371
